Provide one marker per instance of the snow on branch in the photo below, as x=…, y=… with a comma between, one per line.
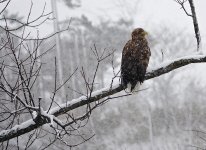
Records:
x=105, y=93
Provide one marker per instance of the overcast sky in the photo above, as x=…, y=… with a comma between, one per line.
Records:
x=149, y=14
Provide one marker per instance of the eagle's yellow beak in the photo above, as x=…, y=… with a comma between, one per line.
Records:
x=145, y=33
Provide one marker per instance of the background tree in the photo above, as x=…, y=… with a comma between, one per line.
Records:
x=45, y=119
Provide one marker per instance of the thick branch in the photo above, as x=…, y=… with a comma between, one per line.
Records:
x=18, y=130
x=194, y=17
x=196, y=27
x=97, y=95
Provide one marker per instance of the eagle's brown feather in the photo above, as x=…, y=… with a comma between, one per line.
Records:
x=135, y=59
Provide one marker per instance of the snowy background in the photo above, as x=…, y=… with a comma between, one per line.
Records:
x=170, y=114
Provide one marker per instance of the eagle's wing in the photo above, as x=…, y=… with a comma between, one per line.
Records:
x=144, y=53
x=135, y=59
x=130, y=61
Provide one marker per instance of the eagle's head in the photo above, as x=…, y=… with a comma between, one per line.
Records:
x=138, y=33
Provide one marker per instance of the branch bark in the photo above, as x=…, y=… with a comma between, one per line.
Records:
x=96, y=96
x=194, y=18
x=195, y=23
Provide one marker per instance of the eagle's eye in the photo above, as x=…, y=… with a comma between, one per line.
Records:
x=140, y=31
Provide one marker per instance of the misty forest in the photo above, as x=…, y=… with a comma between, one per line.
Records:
x=63, y=90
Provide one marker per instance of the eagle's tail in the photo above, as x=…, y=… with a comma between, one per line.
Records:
x=129, y=86
x=132, y=88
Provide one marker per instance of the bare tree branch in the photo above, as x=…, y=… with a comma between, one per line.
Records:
x=182, y=2
x=95, y=96
x=23, y=111
x=5, y=5
x=194, y=18
x=195, y=23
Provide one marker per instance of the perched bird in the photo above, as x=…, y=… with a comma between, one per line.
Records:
x=135, y=59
